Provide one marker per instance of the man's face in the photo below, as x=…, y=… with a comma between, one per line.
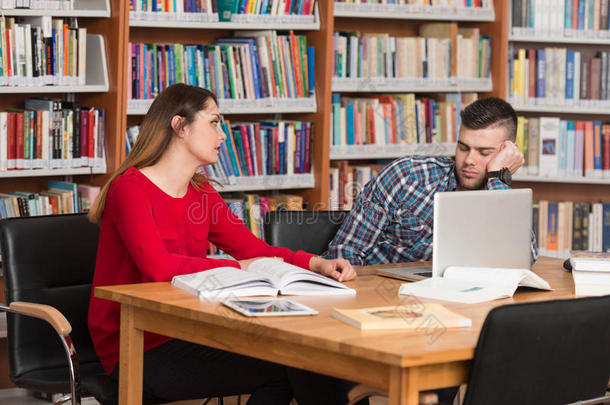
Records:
x=475, y=148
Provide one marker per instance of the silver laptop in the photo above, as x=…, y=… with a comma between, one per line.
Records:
x=476, y=229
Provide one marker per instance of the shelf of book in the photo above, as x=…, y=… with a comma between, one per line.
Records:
x=96, y=80
x=579, y=38
x=403, y=85
x=390, y=151
x=89, y=8
x=413, y=12
x=596, y=107
x=229, y=106
x=274, y=182
x=210, y=21
x=52, y=172
x=562, y=179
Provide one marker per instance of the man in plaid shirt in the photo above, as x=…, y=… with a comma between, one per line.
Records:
x=392, y=218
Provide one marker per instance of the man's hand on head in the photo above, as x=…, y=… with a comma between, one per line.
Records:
x=508, y=156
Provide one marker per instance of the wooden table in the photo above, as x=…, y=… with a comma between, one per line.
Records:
x=401, y=362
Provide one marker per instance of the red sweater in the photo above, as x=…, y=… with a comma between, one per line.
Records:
x=147, y=236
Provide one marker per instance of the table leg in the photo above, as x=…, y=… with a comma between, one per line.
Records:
x=403, y=386
x=131, y=359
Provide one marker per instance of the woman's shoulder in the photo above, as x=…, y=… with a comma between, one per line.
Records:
x=131, y=181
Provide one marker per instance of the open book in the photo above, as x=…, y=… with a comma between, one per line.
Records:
x=263, y=277
x=474, y=284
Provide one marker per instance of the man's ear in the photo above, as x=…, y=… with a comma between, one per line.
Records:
x=177, y=124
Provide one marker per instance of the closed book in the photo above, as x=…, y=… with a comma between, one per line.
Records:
x=585, y=260
x=606, y=151
x=401, y=317
x=597, y=150
x=549, y=137
x=579, y=147
x=589, y=142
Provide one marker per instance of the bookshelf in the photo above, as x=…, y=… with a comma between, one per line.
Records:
x=205, y=29
x=540, y=36
x=103, y=88
x=404, y=21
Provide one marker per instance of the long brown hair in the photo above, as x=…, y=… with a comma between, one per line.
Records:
x=156, y=133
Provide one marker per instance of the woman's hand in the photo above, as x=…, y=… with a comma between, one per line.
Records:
x=339, y=269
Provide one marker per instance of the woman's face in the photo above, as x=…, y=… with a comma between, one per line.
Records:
x=204, y=136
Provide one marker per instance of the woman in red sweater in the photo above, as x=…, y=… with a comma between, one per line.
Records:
x=156, y=216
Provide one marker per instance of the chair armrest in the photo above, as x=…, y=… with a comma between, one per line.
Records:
x=46, y=313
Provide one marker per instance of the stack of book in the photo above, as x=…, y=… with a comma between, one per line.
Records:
x=346, y=182
x=553, y=147
x=262, y=149
x=566, y=225
x=397, y=118
x=39, y=51
x=52, y=134
x=61, y=198
x=441, y=51
x=565, y=17
x=258, y=65
x=591, y=272
x=559, y=76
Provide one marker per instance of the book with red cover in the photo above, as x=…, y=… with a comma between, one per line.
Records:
x=11, y=142
x=19, y=139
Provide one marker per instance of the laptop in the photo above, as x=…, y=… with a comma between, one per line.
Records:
x=486, y=228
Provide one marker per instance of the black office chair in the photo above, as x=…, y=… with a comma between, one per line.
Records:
x=50, y=260
x=553, y=352
x=310, y=231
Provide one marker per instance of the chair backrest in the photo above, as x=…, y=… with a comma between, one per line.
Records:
x=48, y=260
x=310, y=231
x=552, y=352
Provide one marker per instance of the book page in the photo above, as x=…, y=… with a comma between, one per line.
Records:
x=456, y=290
x=275, y=270
x=495, y=276
x=295, y=280
x=217, y=279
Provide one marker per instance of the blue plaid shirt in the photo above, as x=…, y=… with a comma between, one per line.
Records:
x=392, y=218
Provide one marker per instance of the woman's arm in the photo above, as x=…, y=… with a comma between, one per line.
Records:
x=129, y=208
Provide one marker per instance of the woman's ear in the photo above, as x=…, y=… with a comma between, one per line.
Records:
x=177, y=124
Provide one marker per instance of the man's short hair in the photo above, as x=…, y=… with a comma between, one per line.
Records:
x=491, y=112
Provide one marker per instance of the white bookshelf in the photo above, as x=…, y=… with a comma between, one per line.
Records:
x=561, y=39
x=96, y=79
x=413, y=12
x=562, y=179
x=229, y=106
x=594, y=108
x=82, y=8
x=392, y=151
x=238, y=21
x=52, y=172
x=274, y=182
x=410, y=85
